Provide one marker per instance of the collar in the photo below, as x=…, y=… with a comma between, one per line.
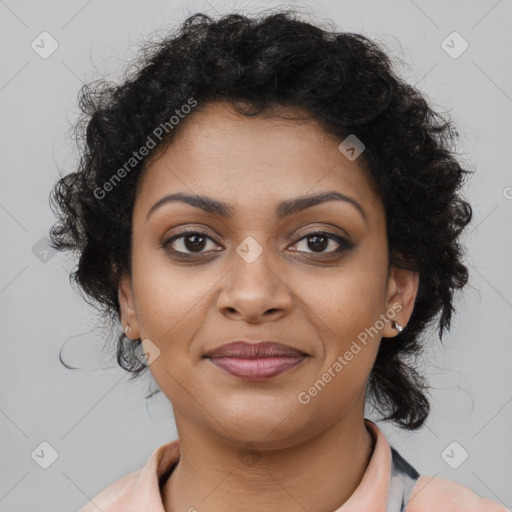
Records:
x=370, y=494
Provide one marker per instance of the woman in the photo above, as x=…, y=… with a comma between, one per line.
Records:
x=273, y=217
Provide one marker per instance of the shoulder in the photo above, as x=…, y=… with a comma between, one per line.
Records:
x=114, y=497
x=432, y=493
x=141, y=486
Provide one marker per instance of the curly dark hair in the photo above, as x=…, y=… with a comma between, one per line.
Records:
x=345, y=81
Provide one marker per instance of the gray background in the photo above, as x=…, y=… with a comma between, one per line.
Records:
x=100, y=424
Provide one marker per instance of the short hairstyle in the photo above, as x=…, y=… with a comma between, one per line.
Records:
x=343, y=80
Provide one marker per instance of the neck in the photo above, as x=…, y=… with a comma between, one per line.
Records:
x=216, y=475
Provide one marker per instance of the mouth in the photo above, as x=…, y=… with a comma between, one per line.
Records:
x=258, y=361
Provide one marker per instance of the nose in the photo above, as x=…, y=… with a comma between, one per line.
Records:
x=254, y=292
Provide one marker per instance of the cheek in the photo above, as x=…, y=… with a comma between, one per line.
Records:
x=165, y=293
x=345, y=305
x=346, y=300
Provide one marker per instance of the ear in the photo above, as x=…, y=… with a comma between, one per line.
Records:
x=402, y=291
x=127, y=307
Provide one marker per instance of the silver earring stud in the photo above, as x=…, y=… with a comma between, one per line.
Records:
x=397, y=326
x=127, y=328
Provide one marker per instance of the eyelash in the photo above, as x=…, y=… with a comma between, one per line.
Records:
x=344, y=244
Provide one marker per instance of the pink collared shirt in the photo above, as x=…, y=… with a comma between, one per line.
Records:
x=389, y=484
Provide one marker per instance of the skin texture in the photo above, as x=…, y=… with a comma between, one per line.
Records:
x=295, y=293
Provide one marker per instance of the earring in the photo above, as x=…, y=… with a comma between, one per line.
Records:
x=127, y=328
x=397, y=326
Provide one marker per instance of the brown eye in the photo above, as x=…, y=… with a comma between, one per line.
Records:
x=188, y=242
x=319, y=241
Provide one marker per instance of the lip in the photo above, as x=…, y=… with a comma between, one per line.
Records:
x=256, y=361
x=249, y=350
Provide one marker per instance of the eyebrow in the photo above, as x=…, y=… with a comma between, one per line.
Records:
x=284, y=209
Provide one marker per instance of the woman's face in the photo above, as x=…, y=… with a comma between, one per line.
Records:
x=258, y=273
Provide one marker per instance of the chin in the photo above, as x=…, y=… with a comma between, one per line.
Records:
x=272, y=427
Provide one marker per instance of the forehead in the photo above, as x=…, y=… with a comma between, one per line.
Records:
x=246, y=161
